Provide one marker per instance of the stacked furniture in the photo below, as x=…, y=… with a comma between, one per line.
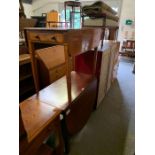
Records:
x=100, y=14
x=26, y=84
x=106, y=67
x=88, y=72
x=75, y=93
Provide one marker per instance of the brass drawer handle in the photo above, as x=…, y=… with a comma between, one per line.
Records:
x=53, y=38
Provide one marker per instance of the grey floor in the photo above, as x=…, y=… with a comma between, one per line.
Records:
x=110, y=129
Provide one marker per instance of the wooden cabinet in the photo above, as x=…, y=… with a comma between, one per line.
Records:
x=81, y=108
x=107, y=62
x=51, y=64
x=75, y=93
x=48, y=76
x=103, y=77
x=75, y=112
x=57, y=72
x=26, y=84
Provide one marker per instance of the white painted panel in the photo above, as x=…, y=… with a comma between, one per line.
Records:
x=127, y=12
x=103, y=76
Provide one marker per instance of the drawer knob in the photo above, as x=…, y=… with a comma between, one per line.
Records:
x=37, y=37
x=53, y=38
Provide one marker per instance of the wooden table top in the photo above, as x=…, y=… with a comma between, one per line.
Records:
x=75, y=42
x=63, y=29
x=38, y=111
x=56, y=93
x=36, y=115
x=49, y=28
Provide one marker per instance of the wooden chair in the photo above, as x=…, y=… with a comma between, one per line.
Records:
x=128, y=48
x=52, y=16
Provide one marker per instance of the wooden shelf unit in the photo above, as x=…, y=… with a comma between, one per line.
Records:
x=26, y=84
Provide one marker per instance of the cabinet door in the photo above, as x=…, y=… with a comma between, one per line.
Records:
x=103, y=75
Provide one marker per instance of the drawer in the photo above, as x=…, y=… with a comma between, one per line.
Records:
x=57, y=73
x=46, y=37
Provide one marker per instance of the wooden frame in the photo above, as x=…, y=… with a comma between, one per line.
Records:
x=85, y=39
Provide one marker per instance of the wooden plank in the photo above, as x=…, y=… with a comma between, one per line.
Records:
x=36, y=116
x=56, y=94
x=24, y=59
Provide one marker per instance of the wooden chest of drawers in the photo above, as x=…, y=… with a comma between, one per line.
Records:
x=51, y=64
x=57, y=73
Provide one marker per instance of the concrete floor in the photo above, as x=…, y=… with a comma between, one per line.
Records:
x=110, y=129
